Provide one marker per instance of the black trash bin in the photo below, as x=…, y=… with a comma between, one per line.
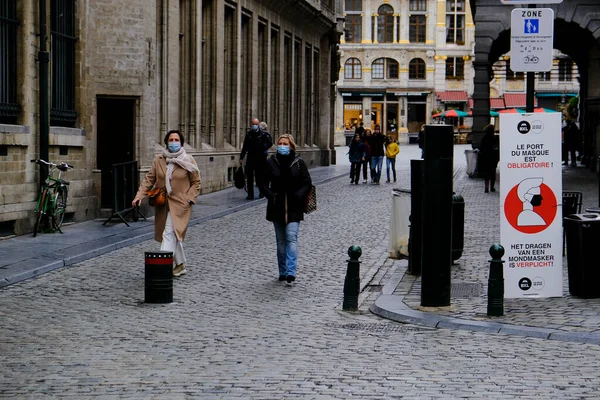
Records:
x=583, y=237
x=458, y=226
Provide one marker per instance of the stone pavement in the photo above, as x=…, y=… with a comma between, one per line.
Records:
x=235, y=332
x=567, y=318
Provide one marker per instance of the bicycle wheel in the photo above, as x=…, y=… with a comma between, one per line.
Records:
x=60, y=205
x=40, y=210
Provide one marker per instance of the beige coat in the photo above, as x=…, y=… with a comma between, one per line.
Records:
x=185, y=188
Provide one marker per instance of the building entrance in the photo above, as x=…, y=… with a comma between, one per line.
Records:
x=115, y=140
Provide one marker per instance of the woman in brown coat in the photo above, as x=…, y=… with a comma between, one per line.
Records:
x=177, y=172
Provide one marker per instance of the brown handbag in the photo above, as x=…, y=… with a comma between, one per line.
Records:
x=157, y=197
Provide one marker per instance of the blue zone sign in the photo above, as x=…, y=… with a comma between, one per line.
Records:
x=531, y=26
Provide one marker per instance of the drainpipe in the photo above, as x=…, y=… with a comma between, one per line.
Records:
x=44, y=59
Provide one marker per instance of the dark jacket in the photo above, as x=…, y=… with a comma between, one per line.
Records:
x=489, y=153
x=286, y=188
x=377, y=143
x=357, y=152
x=367, y=149
x=256, y=144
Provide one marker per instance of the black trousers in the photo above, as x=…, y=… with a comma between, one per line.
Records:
x=255, y=168
x=355, y=171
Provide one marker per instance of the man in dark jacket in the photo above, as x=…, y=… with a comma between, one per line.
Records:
x=377, y=154
x=256, y=145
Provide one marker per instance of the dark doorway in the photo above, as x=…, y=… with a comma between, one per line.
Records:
x=115, y=140
x=417, y=114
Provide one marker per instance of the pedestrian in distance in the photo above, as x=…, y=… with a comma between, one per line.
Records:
x=391, y=151
x=421, y=140
x=177, y=172
x=262, y=125
x=489, y=156
x=256, y=145
x=286, y=185
x=356, y=155
x=366, y=164
x=571, y=141
x=360, y=129
x=377, y=153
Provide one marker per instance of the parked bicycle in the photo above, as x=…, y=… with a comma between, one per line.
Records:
x=52, y=202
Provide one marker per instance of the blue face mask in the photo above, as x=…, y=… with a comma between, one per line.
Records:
x=254, y=127
x=283, y=150
x=174, y=147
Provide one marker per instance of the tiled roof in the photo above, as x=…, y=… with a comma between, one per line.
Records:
x=516, y=100
x=452, y=96
x=497, y=103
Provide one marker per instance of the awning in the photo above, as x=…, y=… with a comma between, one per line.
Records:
x=513, y=100
x=453, y=96
x=497, y=102
x=538, y=94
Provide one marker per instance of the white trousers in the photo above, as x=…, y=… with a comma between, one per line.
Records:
x=170, y=242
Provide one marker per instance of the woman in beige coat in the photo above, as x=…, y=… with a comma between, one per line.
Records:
x=177, y=172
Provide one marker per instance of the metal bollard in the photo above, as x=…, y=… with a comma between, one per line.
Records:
x=158, y=286
x=352, y=281
x=495, y=306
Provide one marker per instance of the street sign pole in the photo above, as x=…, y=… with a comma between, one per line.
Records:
x=530, y=90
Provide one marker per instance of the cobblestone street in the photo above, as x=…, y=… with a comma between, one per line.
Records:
x=234, y=331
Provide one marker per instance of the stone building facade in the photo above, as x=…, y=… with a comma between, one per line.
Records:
x=400, y=60
x=123, y=73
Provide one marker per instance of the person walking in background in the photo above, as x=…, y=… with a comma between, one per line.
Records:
x=421, y=140
x=262, y=125
x=177, y=172
x=489, y=156
x=391, y=151
x=256, y=145
x=356, y=156
x=286, y=185
x=571, y=141
x=366, y=164
x=377, y=153
x=360, y=129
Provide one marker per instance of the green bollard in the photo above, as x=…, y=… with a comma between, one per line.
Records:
x=495, y=306
x=352, y=281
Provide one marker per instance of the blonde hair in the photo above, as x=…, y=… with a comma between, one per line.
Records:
x=288, y=137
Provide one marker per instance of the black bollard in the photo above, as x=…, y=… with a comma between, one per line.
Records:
x=437, y=216
x=158, y=286
x=458, y=226
x=495, y=306
x=415, y=248
x=352, y=281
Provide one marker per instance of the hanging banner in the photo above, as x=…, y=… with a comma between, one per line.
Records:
x=530, y=199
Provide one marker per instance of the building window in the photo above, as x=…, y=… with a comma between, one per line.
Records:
x=352, y=69
x=353, y=28
x=455, y=21
x=62, y=29
x=513, y=76
x=416, y=69
x=565, y=67
x=418, y=5
x=384, y=68
x=455, y=68
x=385, y=24
x=418, y=29
x=545, y=76
x=353, y=5
x=9, y=107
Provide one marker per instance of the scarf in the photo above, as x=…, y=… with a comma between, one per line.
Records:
x=180, y=158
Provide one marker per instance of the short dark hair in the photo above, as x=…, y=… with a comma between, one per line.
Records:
x=181, y=138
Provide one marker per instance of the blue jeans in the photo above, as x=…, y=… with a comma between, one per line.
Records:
x=390, y=162
x=376, y=164
x=287, y=247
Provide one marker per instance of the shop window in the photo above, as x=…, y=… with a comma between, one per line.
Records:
x=352, y=69
x=416, y=69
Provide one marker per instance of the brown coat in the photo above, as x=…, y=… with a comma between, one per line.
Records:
x=185, y=186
